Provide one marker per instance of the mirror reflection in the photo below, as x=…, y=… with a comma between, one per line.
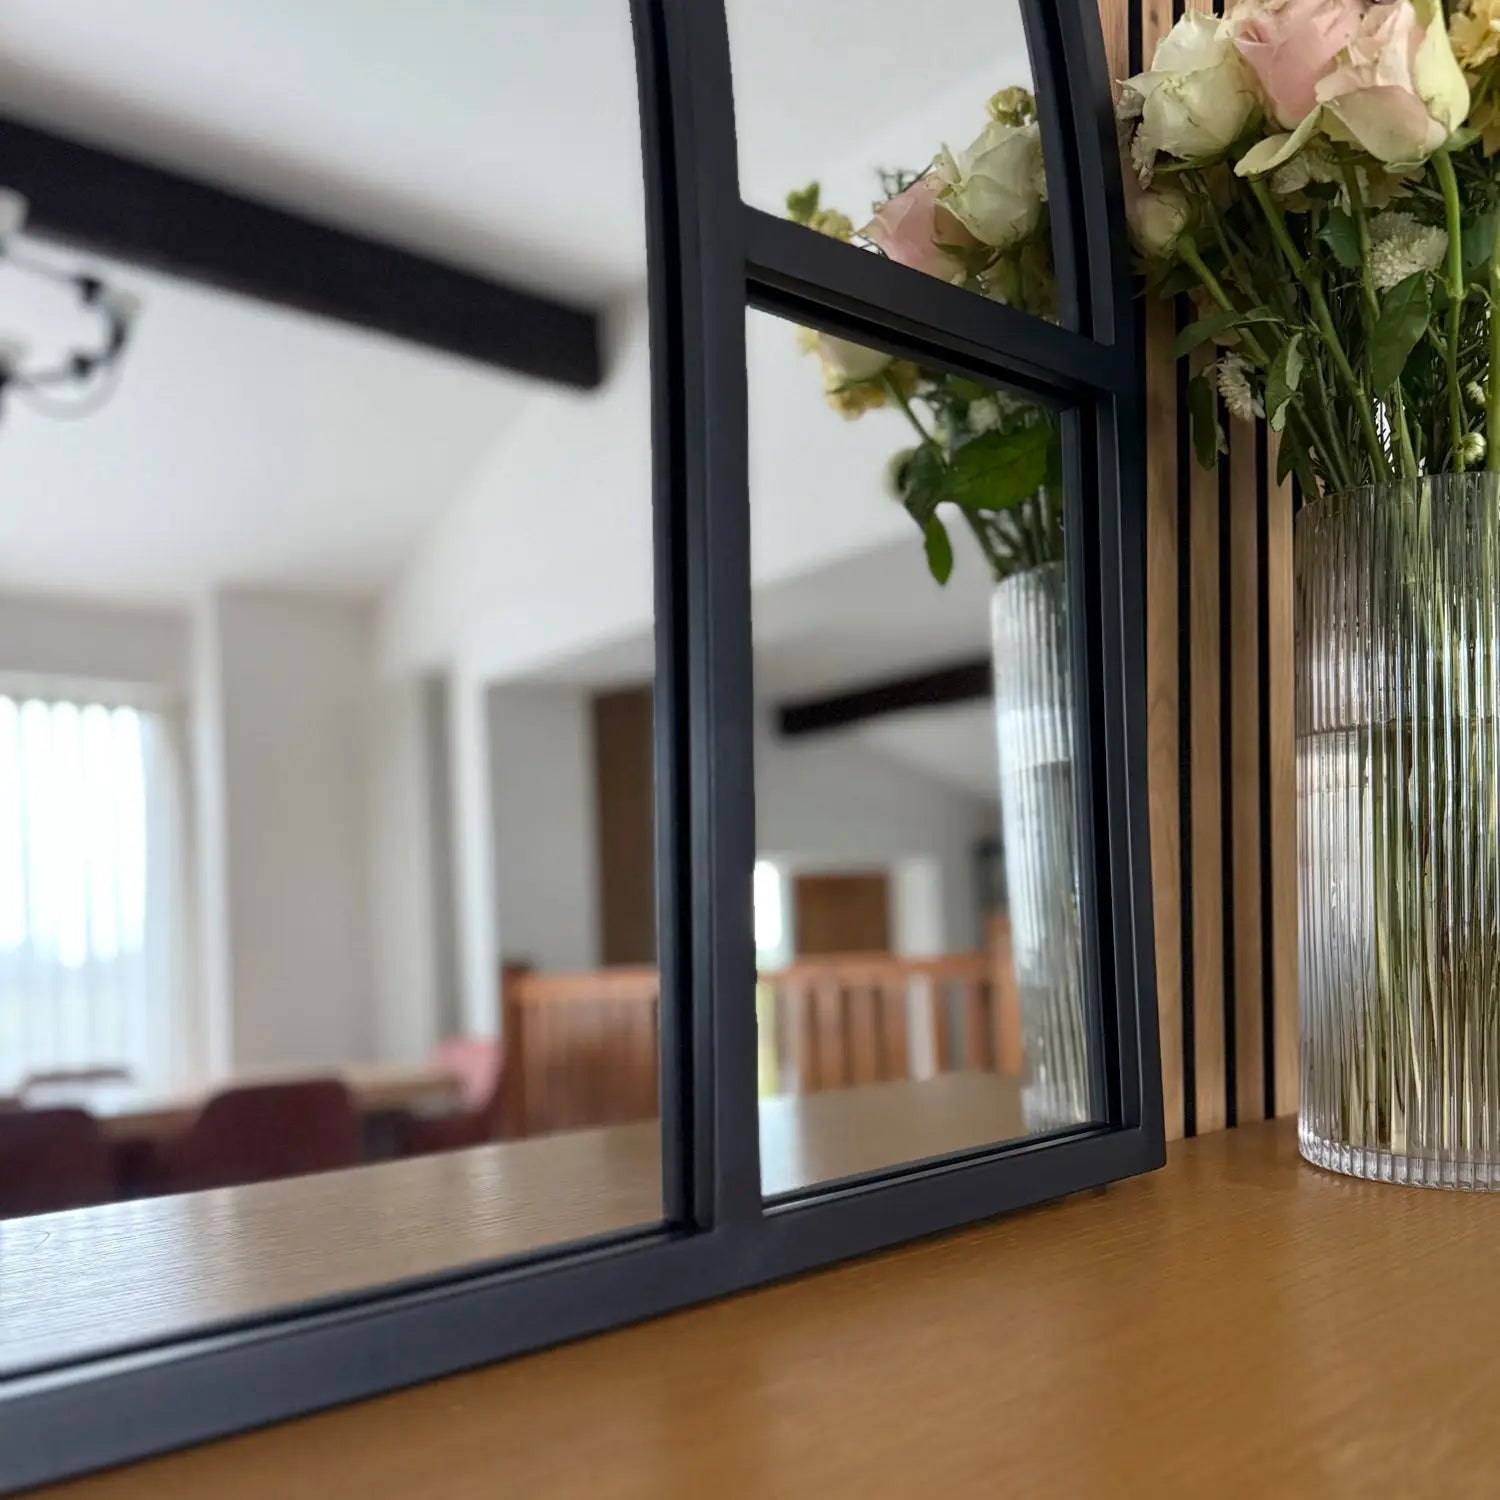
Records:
x=917, y=891
x=325, y=663
x=938, y=167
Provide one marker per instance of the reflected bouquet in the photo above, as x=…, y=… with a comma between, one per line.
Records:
x=976, y=218
x=1320, y=177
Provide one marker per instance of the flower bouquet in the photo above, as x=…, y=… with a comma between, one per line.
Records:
x=976, y=218
x=1319, y=178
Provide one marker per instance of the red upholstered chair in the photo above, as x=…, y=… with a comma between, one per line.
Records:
x=478, y=1064
x=52, y=1159
x=260, y=1132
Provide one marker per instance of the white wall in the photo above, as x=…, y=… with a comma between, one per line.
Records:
x=70, y=639
x=294, y=709
x=414, y=990
x=543, y=806
x=826, y=802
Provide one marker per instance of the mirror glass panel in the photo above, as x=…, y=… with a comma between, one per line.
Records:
x=326, y=668
x=909, y=134
x=917, y=890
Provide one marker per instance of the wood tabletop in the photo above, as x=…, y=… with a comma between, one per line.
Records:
x=126, y=1111
x=1238, y=1324
x=81, y=1283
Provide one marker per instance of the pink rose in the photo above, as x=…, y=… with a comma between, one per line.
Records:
x=1397, y=91
x=913, y=228
x=1291, y=45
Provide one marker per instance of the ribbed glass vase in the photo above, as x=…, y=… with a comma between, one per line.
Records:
x=1034, y=743
x=1398, y=794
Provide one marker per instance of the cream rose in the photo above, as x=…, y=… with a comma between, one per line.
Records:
x=1197, y=98
x=996, y=188
x=1158, y=218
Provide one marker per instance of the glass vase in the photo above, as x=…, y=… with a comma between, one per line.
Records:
x=1398, y=794
x=1034, y=746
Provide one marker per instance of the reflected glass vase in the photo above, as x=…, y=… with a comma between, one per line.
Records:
x=1398, y=796
x=1034, y=746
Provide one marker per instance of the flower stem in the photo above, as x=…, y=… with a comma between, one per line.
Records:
x=1380, y=465
x=1396, y=408
x=1492, y=385
x=980, y=534
x=1442, y=164
x=1333, y=459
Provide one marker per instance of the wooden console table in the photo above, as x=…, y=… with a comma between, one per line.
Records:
x=1235, y=1325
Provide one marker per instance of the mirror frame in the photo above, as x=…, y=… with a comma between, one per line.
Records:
x=711, y=257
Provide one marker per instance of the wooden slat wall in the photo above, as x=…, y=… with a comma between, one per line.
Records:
x=1220, y=760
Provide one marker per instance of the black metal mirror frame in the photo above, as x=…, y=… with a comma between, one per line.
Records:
x=711, y=257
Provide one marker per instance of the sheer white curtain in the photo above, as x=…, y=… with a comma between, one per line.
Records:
x=91, y=890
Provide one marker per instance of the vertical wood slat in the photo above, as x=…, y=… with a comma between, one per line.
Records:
x=1247, y=461
x=895, y=1051
x=1205, y=807
x=1220, y=755
x=1143, y=23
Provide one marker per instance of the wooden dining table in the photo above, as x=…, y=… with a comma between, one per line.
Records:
x=128, y=1112
x=127, y=1274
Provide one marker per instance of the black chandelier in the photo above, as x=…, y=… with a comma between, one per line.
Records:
x=84, y=378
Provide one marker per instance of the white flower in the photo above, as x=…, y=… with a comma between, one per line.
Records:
x=1158, y=218
x=1475, y=392
x=984, y=414
x=1197, y=98
x=997, y=186
x=1471, y=450
x=1232, y=375
x=1400, y=246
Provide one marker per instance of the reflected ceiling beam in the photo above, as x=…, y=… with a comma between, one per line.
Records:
x=956, y=682
x=128, y=210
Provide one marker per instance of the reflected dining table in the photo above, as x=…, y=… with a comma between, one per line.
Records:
x=128, y=1112
x=161, y=1268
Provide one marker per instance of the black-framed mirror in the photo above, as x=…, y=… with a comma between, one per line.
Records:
x=822, y=969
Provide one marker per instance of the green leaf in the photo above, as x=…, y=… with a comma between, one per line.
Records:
x=1341, y=237
x=1212, y=325
x=1403, y=317
x=922, y=482
x=939, y=550
x=998, y=470
x=1478, y=242
x=1282, y=382
x=1203, y=416
x=967, y=390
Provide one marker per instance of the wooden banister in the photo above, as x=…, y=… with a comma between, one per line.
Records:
x=581, y=1048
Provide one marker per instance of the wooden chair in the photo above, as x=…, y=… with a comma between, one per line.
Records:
x=580, y=1049
x=52, y=1159
x=261, y=1132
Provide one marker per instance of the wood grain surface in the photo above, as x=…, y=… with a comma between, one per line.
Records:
x=79, y=1283
x=1237, y=1325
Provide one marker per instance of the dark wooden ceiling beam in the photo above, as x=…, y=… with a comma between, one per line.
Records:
x=957, y=682
x=129, y=210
